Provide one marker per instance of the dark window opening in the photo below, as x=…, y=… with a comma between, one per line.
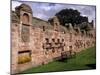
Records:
x=62, y=40
x=53, y=40
x=53, y=51
x=56, y=24
x=43, y=28
x=70, y=47
x=58, y=40
x=47, y=40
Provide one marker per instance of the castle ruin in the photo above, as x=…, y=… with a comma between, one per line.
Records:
x=36, y=42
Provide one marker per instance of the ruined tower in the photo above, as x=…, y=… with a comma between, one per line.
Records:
x=21, y=26
x=56, y=23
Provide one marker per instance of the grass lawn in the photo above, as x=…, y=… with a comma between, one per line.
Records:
x=84, y=60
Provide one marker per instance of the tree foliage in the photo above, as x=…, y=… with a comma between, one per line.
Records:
x=70, y=16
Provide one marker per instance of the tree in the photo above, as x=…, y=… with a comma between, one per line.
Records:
x=70, y=16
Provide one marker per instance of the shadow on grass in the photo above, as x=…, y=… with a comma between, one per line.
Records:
x=65, y=59
x=62, y=60
x=92, y=66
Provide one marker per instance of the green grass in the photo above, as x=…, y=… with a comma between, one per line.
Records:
x=84, y=60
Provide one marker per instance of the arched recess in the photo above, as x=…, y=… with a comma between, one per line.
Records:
x=25, y=18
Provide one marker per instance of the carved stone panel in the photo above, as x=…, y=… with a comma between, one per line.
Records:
x=25, y=33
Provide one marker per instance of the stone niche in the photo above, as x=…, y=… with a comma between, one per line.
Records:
x=24, y=56
x=25, y=18
x=24, y=60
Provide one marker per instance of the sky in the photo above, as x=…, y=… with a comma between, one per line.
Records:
x=48, y=10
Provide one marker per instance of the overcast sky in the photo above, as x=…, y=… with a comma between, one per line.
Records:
x=47, y=10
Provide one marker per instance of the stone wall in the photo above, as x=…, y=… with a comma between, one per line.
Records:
x=46, y=46
x=14, y=50
x=46, y=42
